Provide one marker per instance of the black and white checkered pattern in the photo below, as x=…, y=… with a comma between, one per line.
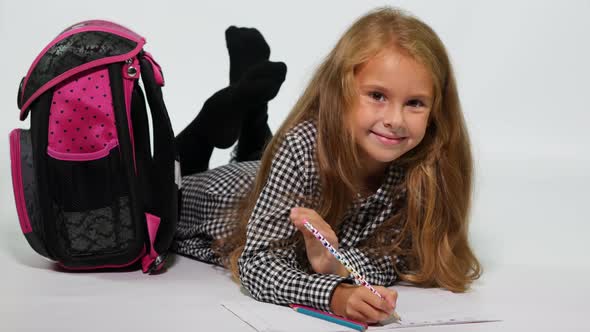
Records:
x=275, y=275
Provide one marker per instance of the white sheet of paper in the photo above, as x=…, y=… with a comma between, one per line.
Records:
x=416, y=306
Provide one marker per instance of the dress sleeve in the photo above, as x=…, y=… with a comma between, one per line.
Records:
x=376, y=270
x=274, y=275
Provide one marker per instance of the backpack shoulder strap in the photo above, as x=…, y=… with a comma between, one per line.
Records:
x=165, y=182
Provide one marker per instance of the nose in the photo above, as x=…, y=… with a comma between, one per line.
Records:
x=393, y=117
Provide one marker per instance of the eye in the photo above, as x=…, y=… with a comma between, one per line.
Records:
x=376, y=95
x=415, y=103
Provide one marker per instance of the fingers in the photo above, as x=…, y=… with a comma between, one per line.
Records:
x=297, y=218
x=390, y=297
x=378, y=303
x=356, y=315
x=371, y=314
x=372, y=307
x=360, y=304
x=299, y=215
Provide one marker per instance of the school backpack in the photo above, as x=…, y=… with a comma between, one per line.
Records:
x=89, y=192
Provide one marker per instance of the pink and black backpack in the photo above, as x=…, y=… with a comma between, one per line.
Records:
x=89, y=191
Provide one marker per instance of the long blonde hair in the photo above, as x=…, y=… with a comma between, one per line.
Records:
x=434, y=217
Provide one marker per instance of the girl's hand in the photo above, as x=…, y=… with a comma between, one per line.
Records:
x=360, y=304
x=321, y=260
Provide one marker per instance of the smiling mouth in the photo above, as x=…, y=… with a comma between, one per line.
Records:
x=388, y=140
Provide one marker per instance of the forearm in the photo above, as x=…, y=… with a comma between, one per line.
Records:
x=376, y=270
x=272, y=279
x=342, y=271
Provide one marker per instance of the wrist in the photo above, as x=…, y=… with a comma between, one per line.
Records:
x=342, y=271
x=339, y=297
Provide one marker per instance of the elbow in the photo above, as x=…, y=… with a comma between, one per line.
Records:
x=257, y=279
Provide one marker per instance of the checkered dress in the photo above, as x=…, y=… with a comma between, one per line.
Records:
x=275, y=275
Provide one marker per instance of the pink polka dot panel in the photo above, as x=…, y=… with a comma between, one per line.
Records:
x=81, y=118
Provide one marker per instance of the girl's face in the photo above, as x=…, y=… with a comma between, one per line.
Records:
x=391, y=115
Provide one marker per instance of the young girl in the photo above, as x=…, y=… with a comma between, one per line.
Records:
x=375, y=154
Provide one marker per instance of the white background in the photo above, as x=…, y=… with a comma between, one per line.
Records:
x=522, y=70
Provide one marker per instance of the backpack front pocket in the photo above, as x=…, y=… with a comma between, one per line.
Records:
x=90, y=202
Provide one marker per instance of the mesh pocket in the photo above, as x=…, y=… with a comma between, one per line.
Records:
x=90, y=204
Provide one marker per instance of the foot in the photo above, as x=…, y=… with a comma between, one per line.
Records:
x=246, y=47
x=221, y=118
x=260, y=83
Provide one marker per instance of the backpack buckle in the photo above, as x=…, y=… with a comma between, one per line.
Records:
x=157, y=264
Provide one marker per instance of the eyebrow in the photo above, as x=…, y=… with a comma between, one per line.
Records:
x=419, y=95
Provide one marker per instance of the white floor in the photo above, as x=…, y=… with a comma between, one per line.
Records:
x=36, y=297
x=187, y=298
x=530, y=229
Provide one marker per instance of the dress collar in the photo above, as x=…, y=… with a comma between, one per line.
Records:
x=395, y=175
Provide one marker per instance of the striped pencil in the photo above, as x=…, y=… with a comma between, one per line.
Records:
x=344, y=262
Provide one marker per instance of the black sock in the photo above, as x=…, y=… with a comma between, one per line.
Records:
x=253, y=82
x=254, y=136
x=246, y=47
x=218, y=121
x=260, y=83
x=255, y=133
x=221, y=118
x=195, y=152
